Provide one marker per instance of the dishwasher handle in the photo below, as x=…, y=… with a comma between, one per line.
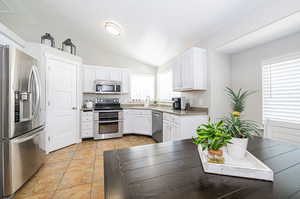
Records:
x=156, y=114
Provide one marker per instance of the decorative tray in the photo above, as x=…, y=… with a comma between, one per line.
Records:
x=248, y=167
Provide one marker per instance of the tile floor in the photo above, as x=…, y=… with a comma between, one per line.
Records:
x=76, y=171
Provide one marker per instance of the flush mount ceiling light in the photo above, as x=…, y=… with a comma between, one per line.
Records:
x=112, y=28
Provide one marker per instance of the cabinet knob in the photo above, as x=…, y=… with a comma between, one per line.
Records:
x=74, y=108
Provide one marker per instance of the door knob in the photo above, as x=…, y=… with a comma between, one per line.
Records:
x=74, y=108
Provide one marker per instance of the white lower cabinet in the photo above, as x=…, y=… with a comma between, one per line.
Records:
x=137, y=122
x=87, y=129
x=181, y=127
x=171, y=127
x=166, y=131
x=128, y=122
x=175, y=127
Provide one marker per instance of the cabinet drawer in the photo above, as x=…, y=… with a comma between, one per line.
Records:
x=86, y=119
x=86, y=125
x=87, y=114
x=146, y=112
x=140, y=112
x=171, y=118
x=87, y=133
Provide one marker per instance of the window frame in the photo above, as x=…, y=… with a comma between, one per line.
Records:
x=276, y=60
x=142, y=74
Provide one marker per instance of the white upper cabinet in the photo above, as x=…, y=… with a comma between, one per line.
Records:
x=115, y=75
x=177, y=83
x=92, y=73
x=125, y=81
x=89, y=77
x=190, y=70
x=102, y=73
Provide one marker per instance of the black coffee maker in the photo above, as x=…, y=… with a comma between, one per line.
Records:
x=176, y=103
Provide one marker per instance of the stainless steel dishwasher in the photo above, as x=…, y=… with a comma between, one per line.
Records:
x=157, y=126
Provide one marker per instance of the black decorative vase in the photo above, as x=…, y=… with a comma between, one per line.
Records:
x=69, y=47
x=48, y=40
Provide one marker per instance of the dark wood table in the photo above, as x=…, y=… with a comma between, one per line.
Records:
x=173, y=170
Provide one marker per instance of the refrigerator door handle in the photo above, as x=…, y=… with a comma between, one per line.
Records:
x=38, y=89
x=29, y=91
x=34, y=80
x=25, y=137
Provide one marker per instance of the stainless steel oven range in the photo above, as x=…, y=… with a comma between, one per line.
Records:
x=108, y=119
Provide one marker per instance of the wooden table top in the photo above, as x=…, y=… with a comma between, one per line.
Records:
x=173, y=170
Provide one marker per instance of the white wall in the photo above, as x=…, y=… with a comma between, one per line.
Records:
x=89, y=52
x=255, y=20
x=219, y=64
x=246, y=70
x=219, y=78
x=101, y=58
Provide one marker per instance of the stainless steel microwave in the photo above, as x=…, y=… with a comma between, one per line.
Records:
x=109, y=87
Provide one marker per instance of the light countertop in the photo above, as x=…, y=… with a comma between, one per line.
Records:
x=168, y=109
x=165, y=109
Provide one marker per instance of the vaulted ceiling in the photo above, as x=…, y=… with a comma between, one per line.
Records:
x=153, y=31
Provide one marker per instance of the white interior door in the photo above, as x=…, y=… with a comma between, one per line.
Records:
x=62, y=104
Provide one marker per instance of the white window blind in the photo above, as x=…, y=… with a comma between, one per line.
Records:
x=281, y=91
x=142, y=85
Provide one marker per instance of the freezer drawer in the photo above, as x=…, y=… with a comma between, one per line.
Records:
x=23, y=156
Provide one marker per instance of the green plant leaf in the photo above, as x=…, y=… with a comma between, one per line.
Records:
x=212, y=135
x=238, y=99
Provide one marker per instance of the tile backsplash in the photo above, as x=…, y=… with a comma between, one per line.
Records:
x=196, y=98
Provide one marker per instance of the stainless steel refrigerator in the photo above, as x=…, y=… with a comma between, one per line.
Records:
x=21, y=119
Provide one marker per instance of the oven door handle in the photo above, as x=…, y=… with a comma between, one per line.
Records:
x=106, y=111
x=109, y=121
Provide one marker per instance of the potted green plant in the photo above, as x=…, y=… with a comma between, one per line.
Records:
x=212, y=137
x=240, y=130
x=238, y=100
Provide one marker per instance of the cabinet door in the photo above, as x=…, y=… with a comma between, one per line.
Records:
x=187, y=70
x=102, y=74
x=166, y=131
x=148, y=124
x=177, y=82
x=89, y=78
x=139, y=124
x=176, y=132
x=128, y=122
x=125, y=82
x=115, y=75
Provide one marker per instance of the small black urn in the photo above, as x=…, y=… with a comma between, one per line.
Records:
x=48, y=40
x=68, y=46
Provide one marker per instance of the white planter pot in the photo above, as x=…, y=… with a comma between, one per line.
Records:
x=238, y=147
